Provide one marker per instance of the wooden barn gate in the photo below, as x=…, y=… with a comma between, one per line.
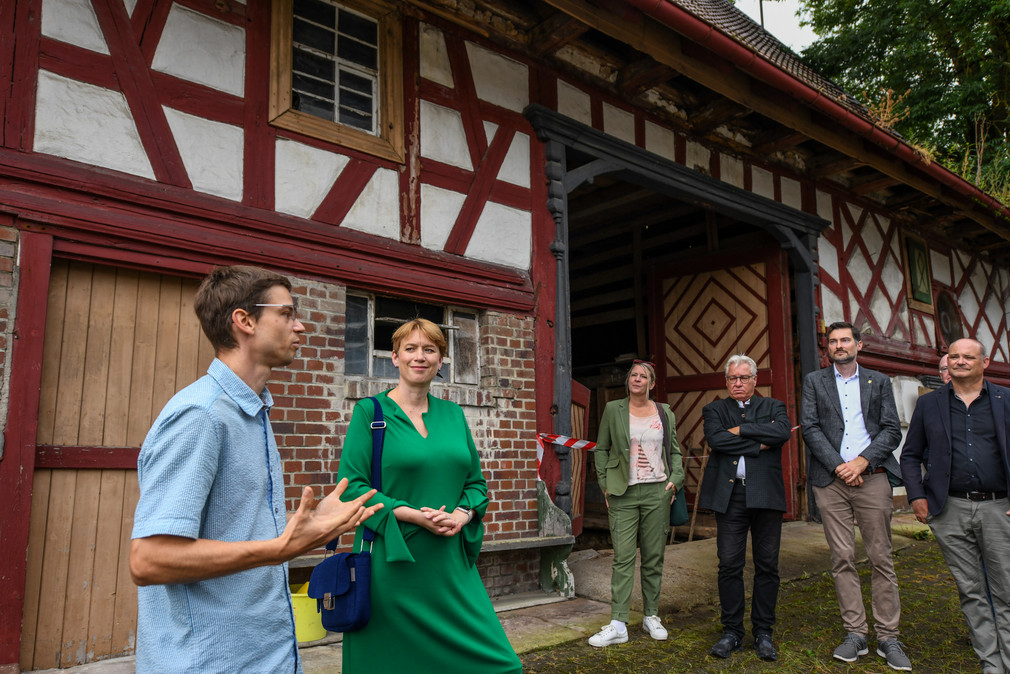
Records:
x=709, y=310
x=118, y=344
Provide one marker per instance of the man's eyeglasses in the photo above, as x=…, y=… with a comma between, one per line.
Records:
x=734, y=379
x=293, y=307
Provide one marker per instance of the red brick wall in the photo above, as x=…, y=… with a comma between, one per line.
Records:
x=314, y=400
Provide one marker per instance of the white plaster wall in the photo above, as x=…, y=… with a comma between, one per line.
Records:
x=439, y=210
x=442, y=136
x=499, y=80
x=698, y=157
x=762, y=182
x=515, y=168
x=827, y=257
x=73, y=22
x=792, y=194
x=434, y=57
x=660, y=140
x=618, y=123
x=574, y=103
x=303, y=176
x=200, y=49
x=503, y=235
x=940, y=267
x=893, y=277
x=731, y=170
x=831, y=307
x=377, y=209
x=88, y=124
x=211, y=151
x=824, y=206
x=130, y=6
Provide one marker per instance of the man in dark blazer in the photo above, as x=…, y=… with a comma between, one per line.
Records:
x=959, y=433
x=851, y=429
x=743, y=485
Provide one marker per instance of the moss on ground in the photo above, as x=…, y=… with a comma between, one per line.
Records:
x=808, y=629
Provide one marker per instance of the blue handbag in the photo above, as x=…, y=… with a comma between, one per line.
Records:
x=341, y=583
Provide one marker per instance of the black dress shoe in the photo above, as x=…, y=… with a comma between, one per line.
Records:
x=765, y=648
x=725, y=646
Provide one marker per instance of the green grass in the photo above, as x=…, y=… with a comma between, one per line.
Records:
x=808, y=629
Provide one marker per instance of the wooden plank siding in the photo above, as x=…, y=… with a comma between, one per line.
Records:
x=119, y=343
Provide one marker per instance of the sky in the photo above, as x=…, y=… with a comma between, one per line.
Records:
x=780, y=20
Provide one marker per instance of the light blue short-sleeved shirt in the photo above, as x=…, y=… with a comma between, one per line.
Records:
x=209, y=468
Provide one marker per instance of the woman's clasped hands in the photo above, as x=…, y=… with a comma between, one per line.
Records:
x=443, y=523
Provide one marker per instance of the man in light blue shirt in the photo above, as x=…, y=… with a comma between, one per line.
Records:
x=211, y=536
x=851, y=429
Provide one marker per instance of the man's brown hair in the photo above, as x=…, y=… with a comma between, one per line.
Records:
x=226, y=289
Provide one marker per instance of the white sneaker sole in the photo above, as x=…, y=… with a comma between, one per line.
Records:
x=836, y=656
x=609, y=642
x=661, y=637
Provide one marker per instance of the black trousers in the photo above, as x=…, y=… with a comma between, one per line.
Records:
x=765, y=528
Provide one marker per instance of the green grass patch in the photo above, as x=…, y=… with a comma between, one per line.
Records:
x=808, y=629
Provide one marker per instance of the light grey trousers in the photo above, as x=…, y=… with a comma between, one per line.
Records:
x=970, y=533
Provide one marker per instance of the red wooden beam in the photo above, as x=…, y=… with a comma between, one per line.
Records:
x=148, y=21
x=456, y=179
x=141, y=95
x=19, y=112
x=476, y=197
x=7, y=14
x=120, y=458
x=17, y=469
x=409, y=176
x=466, y=97
x=345, y=191
x=77, y=63
x=260, y=141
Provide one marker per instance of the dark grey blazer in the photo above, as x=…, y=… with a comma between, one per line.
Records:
x=823, y=426
x=763, y=422
x=928, y=442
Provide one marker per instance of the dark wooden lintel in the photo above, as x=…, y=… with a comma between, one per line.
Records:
x=642, y=75
x=554, y=33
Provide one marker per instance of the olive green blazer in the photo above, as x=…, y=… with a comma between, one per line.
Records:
x=613, y=448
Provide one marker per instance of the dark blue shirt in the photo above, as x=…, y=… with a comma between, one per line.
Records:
x=975, y=462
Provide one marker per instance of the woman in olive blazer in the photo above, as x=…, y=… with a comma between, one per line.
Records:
x=638, y=497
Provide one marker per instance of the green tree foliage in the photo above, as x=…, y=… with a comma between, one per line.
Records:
x=952, y=57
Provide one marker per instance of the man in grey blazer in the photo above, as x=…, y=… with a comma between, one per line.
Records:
x=851, y=429
x=743, y=485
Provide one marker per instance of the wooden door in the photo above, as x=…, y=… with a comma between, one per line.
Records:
x=118, y=344
x=709, y=310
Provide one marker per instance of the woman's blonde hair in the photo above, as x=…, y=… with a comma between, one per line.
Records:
x=650, y=370
x=427, y=328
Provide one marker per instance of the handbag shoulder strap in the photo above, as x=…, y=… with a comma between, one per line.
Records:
x=378, y=434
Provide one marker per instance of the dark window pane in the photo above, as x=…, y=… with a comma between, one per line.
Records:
x=312, y=64
x=354, y=103
x=357, y=53
x=356, y=351
x=312, y=87
x=356, y=119
x=358, y=27
x=320, y=12
x=352, y=82
x=464, y=349
x=312, y=106
x=313, y=36
x=391, y=313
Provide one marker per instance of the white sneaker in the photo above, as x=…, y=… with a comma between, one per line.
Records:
x=655, y=628
x=607, y=637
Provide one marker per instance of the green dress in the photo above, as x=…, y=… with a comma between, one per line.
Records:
x=430, y=610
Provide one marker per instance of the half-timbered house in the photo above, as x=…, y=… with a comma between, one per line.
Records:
x=565, y=184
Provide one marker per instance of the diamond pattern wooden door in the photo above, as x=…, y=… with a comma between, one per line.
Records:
x=707, y=314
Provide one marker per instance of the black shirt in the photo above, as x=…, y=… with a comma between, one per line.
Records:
x=975, y=461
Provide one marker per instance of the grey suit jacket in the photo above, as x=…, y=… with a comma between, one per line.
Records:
x=823, y=426
x=928, y=443
x=763, y=422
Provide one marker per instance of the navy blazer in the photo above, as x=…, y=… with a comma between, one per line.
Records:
x=928, y=442
x=763, y=422
x=823, y=425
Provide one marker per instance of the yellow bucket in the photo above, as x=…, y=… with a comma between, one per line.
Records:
x=308, y=625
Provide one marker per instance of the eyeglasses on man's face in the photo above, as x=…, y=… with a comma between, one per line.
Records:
x=740, y=379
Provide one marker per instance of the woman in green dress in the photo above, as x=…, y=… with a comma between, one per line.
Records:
x=430, y=610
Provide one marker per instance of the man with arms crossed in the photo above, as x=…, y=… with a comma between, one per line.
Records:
x=959, y=432
x=743, y=485
x=211, y=538
x=850, y=428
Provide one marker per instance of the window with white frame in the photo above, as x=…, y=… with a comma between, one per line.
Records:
x=368, y=341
